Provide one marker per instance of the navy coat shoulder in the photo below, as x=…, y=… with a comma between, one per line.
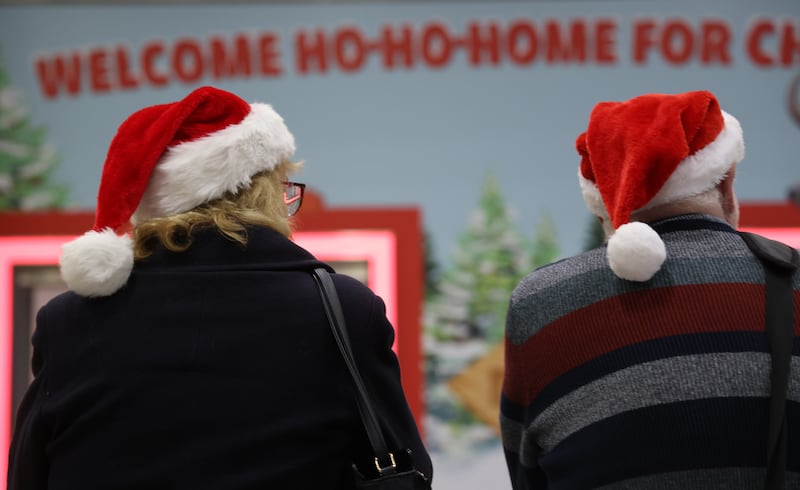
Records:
x=213, y=368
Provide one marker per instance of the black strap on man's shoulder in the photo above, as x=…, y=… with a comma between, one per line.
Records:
x=780, y=261
x=772, y=252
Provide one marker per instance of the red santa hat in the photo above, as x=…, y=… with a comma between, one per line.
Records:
x=167, y=159
x=647, y=151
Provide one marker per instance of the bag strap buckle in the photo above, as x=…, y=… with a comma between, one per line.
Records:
x=391, y=469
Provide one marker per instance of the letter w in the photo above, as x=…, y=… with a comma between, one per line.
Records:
x=59, y=73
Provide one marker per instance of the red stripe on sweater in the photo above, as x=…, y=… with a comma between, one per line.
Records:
x=628, y=319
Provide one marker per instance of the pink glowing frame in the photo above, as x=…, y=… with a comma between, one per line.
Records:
x=377, y=248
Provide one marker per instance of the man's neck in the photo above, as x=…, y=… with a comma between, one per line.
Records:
x=676, y=209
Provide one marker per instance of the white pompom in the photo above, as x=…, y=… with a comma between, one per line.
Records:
x=635, y=252
x=97, y=263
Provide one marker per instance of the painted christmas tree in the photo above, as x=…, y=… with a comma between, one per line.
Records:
x=545, y=246
x=490, y=258
x=466, y=318
x=26, y=161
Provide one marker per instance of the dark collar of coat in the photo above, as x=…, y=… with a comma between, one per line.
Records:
x=210, y=250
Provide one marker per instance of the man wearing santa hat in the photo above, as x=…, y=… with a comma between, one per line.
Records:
x=644, y=363
x=193, y=350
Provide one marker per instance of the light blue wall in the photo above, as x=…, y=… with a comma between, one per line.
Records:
x=423, y=136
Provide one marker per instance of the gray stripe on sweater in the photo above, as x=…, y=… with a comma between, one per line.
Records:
x=693, y=257
x=538, y=300
x=662, y=381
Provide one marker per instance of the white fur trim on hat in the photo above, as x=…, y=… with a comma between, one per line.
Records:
x=97, y=263
x=591, y=195
x=695, y=174
x=706, y=168
x=202, y=170
x=635, y=252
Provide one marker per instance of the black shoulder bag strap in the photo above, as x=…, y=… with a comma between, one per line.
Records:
x=384, y=460
x=779, y=261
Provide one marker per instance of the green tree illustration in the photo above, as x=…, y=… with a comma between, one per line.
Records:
x=465, y=317
x=544, y=246
x=431, y=267
x=490, y=259
x=26, y=161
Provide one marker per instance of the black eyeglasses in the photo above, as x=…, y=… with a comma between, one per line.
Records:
x=293, y=196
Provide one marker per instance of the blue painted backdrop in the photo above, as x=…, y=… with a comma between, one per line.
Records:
x=428, y=134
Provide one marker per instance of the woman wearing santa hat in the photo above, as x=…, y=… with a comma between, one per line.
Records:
x=192, y=350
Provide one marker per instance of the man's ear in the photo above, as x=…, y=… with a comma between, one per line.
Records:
x=730, y=205
x=726, y=185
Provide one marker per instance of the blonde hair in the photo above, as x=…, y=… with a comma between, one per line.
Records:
x=261, y=204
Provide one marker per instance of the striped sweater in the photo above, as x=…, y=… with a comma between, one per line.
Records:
x=663, y=384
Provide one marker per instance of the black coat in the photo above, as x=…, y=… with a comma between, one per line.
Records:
x=214, y=368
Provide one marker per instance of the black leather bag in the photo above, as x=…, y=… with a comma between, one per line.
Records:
x=390, y=471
